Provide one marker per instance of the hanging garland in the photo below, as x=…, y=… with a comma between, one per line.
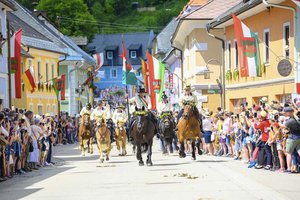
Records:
x=236, y=74
x=228, y=75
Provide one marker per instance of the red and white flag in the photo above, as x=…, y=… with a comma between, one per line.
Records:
x=15, y=54
x=99, y=57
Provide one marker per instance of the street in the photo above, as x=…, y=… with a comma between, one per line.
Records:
x=76, y=177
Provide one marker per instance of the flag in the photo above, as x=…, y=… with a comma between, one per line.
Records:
x=99, y=57
x=15, y=54
x=144, y=73
x=59, y=86
x=297, y=2
x=128, y=75
x=156, y=79
x=29, y=80
x=248, y=48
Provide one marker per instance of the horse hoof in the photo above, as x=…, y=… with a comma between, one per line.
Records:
x=107, y=158
x=193, y=158
x=141, y=163
x=101, y=160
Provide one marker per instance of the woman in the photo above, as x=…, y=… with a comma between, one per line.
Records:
x=227, y=128
x=207, y=124
x=34, y=156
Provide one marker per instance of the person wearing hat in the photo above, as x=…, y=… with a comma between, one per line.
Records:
x=188, y=96
x=293, y=140
x=86, y=110
x=164, y=106
x=265, y=150
x=106, y=109
x=207, y=124
x=98, y=113
x=142, y=100
x=120, y=114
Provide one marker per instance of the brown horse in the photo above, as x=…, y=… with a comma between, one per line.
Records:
x=103, y=140
x=188, y=129
x=121, y=138
x=85, y=135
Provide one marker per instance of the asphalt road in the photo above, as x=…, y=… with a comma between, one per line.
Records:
x=75, y=177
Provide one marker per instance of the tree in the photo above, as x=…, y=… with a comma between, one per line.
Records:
x=72, y=17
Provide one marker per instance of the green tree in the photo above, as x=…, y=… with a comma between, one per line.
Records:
x=72, y=17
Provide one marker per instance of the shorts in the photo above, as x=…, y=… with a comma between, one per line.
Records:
x=279, y=146
x=238, y=145
x=223, y=139
x=292, y=144
x=227, y=140
x=43, y=154
x=207, y=137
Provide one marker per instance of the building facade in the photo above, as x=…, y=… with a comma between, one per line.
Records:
x=5, y=7
x=276, y=42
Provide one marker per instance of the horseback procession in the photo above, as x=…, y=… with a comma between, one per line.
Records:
x=139, y=124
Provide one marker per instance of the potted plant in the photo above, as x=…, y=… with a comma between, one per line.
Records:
x=236, y=74
x=228, y=75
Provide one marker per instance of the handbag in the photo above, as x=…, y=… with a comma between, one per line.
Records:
x=31, y=147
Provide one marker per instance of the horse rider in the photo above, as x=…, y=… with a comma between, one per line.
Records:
x=106, y=109
x=120, y=115
x=86, y=110
x=143, y=101
x=99, y=112
x=164, y=106
x=188, y=98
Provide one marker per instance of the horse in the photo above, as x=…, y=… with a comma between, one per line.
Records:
x=188, y=129
x=166, y=131
x=121, y=138
x=143, y=131
x=103, y=140
x=85, y=135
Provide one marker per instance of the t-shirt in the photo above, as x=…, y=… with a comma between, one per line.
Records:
x=293, y=126
x=207, y=124
x=263, y=127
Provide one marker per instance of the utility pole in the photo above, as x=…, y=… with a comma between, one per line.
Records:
x=8, y=63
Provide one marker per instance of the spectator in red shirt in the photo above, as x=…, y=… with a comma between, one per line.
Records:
x=263, y=126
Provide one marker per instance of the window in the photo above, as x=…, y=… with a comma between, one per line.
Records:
x=133, y=54
x=47, y=72
x=40, y=110
x=229, y=54
x=109, y=55
x=236, y=52
x=114, y=73
x=267, y=46
x=286, y=39
x=52, y=69
x=48, y=108
x=29, y=63
x=54, y=109
x=39, y=75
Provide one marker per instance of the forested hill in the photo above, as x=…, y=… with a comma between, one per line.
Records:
x=88, y=17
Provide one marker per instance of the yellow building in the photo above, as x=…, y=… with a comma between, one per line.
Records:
x=202, y=54
x=277, y=34
x=40, y=50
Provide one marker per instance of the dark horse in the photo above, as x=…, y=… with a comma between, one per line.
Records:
x=143, y=131
x=166, y=131
x=188, y=129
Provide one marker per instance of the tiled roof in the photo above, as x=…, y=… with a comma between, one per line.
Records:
x=164, y=37
x=212, y=9
x=197, y=2
x=8, y=4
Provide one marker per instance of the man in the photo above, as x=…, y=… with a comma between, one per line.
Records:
x=98, y=112
x=164, y=106
x=86, y=110
x=106, y=109
x=119, y=115
x=143, y=101
x=3, y=143
x=293, y=140
x=188, y=97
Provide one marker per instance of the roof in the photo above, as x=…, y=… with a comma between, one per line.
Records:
x=41, y=44
x=104, y=42
x=8, y=4
x=25, y=53
x=34, y=22
x=134, y=46
x=191, y=6
x=164, y=37
x=197, y=2
x=212, y=9
x=237, y=9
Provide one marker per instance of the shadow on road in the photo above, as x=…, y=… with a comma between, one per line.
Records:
x=22, y=186
x=211, y=161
